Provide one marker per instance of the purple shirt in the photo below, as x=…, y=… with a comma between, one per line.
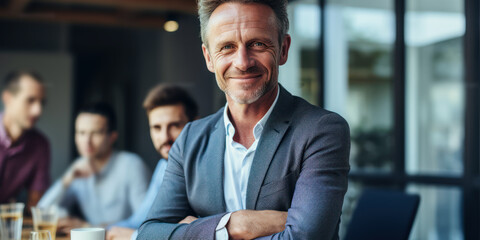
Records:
x=23, y=165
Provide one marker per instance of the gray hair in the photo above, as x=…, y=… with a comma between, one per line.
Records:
x=279, y=7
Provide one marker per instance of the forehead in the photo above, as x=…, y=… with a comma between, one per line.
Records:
x=232, y=18
x=90, y=121
x=28, y=85
x=167, y=113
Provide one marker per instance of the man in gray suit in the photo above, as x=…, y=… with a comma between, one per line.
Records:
x=268, y=165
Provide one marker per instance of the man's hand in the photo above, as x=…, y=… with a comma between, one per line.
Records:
x=80, y=169
x=188, y=220
x=69, y=223
x=119, y=233
x=250, y=224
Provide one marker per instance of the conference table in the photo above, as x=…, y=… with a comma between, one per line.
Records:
x=28, y=227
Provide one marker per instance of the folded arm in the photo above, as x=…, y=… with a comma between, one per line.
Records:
x=172, y=205
x=314, y=212
x=250, y=224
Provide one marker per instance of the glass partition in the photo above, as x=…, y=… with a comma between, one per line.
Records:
x=359, y=70
x=435, y=87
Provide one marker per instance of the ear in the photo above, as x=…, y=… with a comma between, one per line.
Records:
x=208, y=59
x=284, y=49
x=6, y=96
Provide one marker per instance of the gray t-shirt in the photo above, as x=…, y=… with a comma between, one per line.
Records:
x=107, y=197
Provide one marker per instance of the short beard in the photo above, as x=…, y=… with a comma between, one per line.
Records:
x=257, y=94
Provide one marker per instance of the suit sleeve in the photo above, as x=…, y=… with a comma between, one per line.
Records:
x=318, y=198
x=171, y=204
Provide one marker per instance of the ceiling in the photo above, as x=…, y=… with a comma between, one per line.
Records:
x=130, y=13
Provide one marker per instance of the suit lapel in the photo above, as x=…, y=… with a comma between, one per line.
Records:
x=216, y=156
x=272, y=135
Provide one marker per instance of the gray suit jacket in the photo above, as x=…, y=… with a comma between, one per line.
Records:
x=300, y=166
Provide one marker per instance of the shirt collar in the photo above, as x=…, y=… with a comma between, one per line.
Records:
x=258, y=129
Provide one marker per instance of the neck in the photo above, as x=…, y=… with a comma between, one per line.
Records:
x=99, y=163
x=14, y=130
x=244, y=117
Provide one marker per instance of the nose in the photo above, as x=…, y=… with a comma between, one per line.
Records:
x=243, y=61
x=36, y=109
x=165, y=136
x=89, y=139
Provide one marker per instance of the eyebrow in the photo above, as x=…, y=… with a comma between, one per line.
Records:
x=264, y=40
x=174, y=122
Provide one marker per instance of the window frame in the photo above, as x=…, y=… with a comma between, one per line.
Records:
x=469, y=181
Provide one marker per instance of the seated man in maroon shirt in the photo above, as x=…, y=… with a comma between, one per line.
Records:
x=24, y=151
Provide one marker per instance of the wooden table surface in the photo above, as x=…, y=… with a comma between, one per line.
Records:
x=28, y=227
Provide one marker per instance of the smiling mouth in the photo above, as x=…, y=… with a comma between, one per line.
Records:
x=245, y=78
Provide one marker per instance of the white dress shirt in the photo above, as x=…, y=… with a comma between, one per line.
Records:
x=237, y=163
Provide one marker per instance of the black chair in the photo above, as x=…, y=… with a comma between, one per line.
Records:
x=383, y=215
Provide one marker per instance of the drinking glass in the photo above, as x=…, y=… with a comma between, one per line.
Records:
x=40, y=235
x=11, y=220
x=45, y=219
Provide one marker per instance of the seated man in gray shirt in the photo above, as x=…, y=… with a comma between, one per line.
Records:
x=106, y=185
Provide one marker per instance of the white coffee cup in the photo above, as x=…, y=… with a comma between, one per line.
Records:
x=87, y=234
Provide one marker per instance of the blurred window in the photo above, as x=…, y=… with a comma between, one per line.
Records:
x=358, y=68
x=300, y=74
x=358, y=85
x=439, y=215
x=434, y=87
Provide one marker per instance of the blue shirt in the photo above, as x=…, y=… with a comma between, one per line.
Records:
x=113, y=194
x=139, y=216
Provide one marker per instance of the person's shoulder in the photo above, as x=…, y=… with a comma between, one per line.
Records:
x=206, y=124
x=129, y=163
x=298, y=109
x=127, y=157
x=307, y=114
x=160, y=169
x=162, y=163
x=209, y=120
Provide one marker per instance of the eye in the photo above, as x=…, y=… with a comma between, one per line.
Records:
x=227, y=47
x=98, y=133
x=258, y=45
